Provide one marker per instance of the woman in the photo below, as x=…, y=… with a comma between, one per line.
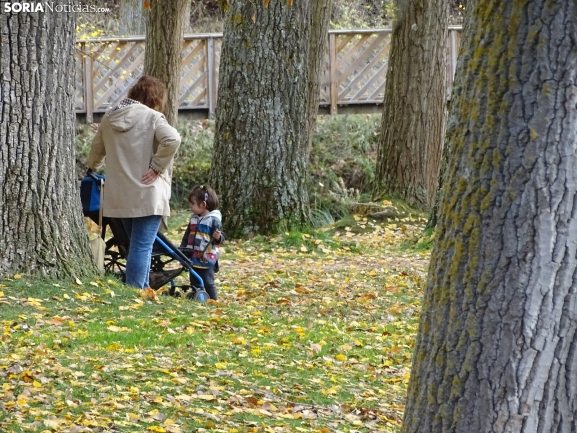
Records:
x=139, y=146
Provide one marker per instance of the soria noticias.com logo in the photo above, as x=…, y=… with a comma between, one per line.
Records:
x=49, y=6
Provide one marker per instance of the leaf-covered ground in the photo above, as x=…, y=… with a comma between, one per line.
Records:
x=312, y=333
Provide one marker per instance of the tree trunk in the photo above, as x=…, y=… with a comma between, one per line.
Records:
x=496, y=349
x=132, y=18
x=447, y=150
x=261, y=139
x=320, y=18
x=41, y=221
x=163, y=55
x=414, y=104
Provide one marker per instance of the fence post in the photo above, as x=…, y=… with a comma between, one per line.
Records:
x=88, y=85
x=211, y=75
x=334, y=92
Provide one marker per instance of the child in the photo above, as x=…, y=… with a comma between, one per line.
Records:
x=203, y=235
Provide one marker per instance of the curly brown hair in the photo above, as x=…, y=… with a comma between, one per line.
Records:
x=149, y=91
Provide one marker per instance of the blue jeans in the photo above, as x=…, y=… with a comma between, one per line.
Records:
x=142, y=233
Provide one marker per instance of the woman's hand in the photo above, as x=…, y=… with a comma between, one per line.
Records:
x=149, y=177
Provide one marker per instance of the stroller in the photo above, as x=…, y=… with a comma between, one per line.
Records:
x=167, y=261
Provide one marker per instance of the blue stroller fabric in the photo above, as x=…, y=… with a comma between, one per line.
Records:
x=90, y=193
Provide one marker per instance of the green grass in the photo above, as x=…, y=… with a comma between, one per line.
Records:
x=299, y=341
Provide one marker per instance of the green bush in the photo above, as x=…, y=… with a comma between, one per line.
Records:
x=341, y=168
x=342, y=163
x=193, y=159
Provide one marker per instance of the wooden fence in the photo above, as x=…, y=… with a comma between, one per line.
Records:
x=354, y=73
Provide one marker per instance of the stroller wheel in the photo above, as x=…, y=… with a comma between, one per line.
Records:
x=198, y=294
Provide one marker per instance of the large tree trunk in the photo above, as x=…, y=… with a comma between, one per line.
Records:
x=496, y=349
x=41, y=219
x=261, y=139
x=163, y=55
x=414, y=104
x=132, y=18
x=320, y=18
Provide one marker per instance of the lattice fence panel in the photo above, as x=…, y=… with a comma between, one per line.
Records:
x=194, y=77
x=362, y=61
x=359, y=70
x=116, y=66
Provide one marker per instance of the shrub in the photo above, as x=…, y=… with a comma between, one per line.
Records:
x=342, y=162
x=193, y=159
x=341, y=167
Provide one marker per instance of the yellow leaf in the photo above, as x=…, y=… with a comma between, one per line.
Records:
x=36, y=384
x=149, y=294
x=157, y=429
x=1, y=294
x=52, y=423
x=118, y=329
x=341, y=357
x=132, y=417
x=57, y=320
x=17, y=276
x=207, y=397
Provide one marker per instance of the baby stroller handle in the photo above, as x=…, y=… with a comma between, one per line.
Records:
x=181, y=258
x=89, y=173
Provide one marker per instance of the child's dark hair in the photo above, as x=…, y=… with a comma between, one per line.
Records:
x=204, y=193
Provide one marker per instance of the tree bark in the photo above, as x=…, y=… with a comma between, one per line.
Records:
x=41, y=221
x=320, y=19
x=413, y=124
x=163, y=55
x=132, y=18
x=447, y=151
x=496, y=348
x=261, y=136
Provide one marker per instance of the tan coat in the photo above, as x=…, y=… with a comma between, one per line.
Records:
x=132, y=139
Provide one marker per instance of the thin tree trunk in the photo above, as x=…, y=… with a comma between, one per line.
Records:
x=496, y=349
x=320, y=19
x=447, y=153
x=163, y=55
x=261, y=139
x=41, y=219
x=132, y=18
x=414, y=104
